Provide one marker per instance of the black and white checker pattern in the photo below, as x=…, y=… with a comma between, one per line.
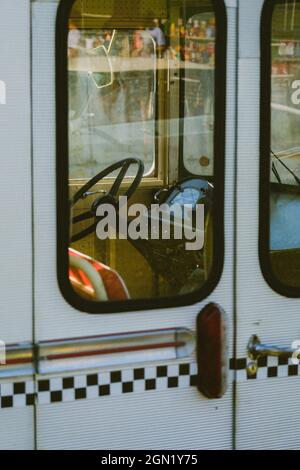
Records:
x=116, y=382
x=268, y=368
x=17, y=395
x=95, y=385
x=135, y=380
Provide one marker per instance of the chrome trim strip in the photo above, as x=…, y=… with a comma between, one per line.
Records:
x=69, y=355
x=19, y=361
x=114, y=350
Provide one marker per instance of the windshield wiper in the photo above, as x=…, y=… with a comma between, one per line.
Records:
x=274, y=169
x=286, y=167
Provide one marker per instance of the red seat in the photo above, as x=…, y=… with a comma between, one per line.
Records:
x=94, y=280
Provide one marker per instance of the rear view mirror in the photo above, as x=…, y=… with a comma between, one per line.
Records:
x=101, y=70
x=96, y=63
x=89, y=70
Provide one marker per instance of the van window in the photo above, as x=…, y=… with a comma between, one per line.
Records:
x=139, y=170
x=283, y=150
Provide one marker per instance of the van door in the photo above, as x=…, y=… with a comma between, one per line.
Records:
x=268, y=271
x=116, y=334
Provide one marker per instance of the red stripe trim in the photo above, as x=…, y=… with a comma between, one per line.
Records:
x=18, y=361
x=115, y=350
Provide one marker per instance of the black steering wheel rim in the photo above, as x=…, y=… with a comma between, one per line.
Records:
x=110, y=196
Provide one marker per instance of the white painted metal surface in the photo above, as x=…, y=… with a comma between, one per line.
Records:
x=267, y=414
x=16, y=426
x=266, y=410
x=15, y=188
x=17, y=429
x=158, y=421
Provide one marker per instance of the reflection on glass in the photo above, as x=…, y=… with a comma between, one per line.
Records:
x=112, y=81
x=285, y=143
x=187, y=196
x=199, y=55
x=141, y=117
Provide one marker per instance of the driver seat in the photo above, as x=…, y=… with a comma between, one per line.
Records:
x=94, y=280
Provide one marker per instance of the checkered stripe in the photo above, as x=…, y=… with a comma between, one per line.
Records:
x=114, y=383
x=17, y=395
x=89, y=386
x=136, y=380
x=268, y=368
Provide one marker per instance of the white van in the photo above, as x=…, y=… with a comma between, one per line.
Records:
x=150, y=235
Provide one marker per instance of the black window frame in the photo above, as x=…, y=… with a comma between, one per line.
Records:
x=265, y=145
x=62, y=177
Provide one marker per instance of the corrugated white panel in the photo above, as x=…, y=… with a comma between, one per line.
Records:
x=17, y=429
x=249, y=28
x=275, y=319
x=231, y=3
x=179, y=419
x=269, y=415
x=15, y=188
x=260, y=310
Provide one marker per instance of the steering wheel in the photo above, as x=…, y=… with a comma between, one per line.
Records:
x=109, y=197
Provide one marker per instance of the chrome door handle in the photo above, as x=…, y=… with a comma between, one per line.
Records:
x=256, y=350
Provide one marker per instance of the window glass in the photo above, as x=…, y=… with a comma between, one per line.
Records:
x=140, y=140
x=112, y=96
x=285, y=143
x=199, y=71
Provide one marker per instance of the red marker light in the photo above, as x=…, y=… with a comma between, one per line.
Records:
x=212, y=351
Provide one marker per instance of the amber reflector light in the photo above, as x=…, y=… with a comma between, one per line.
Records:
x=212, y=351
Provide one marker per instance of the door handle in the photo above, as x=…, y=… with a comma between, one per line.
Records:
x=256, y=350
